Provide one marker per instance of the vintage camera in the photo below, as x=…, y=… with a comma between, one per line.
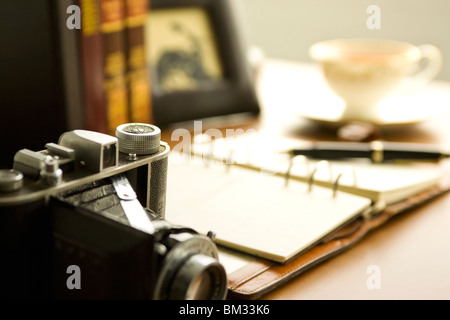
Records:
x=84, y=218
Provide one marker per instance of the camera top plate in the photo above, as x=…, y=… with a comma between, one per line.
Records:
x=33, y=190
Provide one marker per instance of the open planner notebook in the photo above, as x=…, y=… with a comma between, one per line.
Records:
x=274, y=207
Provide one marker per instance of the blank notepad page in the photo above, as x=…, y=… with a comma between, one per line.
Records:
x=255, y=212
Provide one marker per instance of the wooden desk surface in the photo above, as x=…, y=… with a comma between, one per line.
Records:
x=411, y=253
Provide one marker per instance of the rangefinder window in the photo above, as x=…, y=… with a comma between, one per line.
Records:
x=93, y=150
x=109, y=156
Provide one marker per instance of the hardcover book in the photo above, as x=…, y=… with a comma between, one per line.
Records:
x=138, y=80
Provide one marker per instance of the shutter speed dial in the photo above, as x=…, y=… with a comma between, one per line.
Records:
x=138, y=139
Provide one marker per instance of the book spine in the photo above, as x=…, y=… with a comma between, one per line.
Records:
x=139, y=86
x=69, y=40
x=92, y=61
x=115, y=87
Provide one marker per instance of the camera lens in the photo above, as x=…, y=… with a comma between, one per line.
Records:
x=199, y=278
x=200, y=288
x=190, y=270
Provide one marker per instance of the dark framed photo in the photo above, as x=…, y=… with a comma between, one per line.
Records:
x=197, y=61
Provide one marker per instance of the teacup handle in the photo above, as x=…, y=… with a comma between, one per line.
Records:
x=433, y=58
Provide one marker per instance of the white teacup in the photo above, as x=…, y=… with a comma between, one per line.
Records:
x=364, y=71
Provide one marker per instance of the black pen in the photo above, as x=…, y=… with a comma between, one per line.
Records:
x=377, y=151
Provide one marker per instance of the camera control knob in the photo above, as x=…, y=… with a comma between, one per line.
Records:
x=138, y=138
x=10, y=180
x=51, y=173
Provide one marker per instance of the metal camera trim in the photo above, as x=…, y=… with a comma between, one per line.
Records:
x=34, y=191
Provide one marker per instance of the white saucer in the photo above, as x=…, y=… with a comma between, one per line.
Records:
x=400, y=109
x=299, y=89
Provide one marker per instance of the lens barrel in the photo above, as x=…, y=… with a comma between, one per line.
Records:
x=190, y=270
x=200, y=277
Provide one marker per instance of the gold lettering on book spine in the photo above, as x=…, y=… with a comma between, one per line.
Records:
x=115, y=87
x=89, y=17
x=138, y=79
x=113, y=19
x=112, y=26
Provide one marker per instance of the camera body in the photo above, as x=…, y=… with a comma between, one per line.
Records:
x=84, y=219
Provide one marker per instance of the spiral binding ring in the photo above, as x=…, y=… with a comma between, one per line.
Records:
x=201, y=140
x=292, y=162
x=316, y=168
x=336, y=182
x=229, y=159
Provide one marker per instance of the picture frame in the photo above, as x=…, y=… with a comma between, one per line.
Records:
x=197, y=61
